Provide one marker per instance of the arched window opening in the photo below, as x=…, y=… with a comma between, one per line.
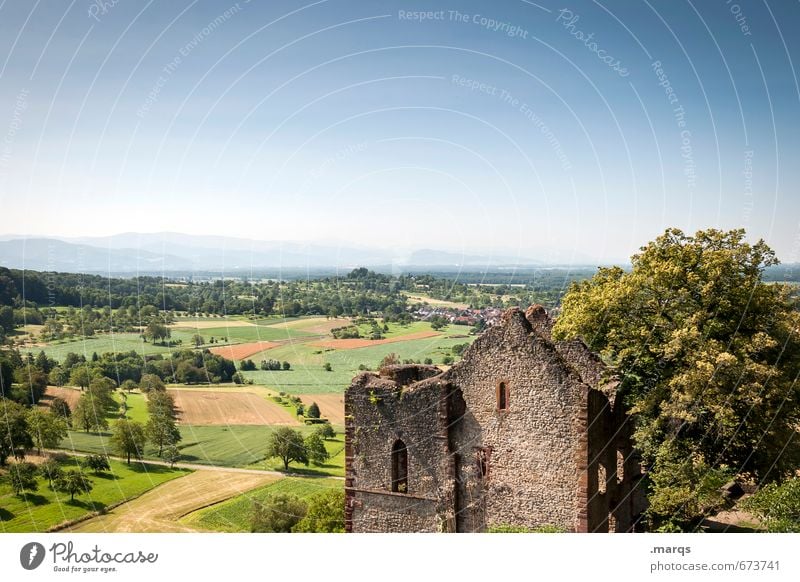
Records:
x=502, y=396
x=399, y=467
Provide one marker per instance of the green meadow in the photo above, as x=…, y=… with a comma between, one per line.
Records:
x=43, y=509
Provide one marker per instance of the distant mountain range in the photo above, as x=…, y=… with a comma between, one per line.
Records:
x=177, y=253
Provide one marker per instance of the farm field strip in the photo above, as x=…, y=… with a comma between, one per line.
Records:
x=216, y=407
x=158, y=510
x=331, y=405
x=232, y=515
x=350, y=344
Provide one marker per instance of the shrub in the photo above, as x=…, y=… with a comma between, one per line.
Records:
x=277, y=514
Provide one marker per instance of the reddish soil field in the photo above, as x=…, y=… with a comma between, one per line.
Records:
x=242, y=351
x=214, y=408
x=351, y=344
x=71, y=395
x=330, y=405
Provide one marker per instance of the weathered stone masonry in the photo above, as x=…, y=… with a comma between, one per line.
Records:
x=523, y=431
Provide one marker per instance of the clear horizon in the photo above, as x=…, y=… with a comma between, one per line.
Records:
x=474, y=127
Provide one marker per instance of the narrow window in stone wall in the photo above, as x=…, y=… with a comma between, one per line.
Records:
x=399, y=467
x=620, y=466
x=482, y=455
x=602, y=479
x=502, y=396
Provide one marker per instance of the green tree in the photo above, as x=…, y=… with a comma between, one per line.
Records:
x=197, y=340
x=80, y=377
x=22, y=476
x=325, y=513
x=172, y=454
x=313, y=411
x=287, y=444
x=327, y=367
x=97, y=463
x=315, y=448
x=58, y=376
x=51, y=470
x=15, y=437
x=286, y=365
x=150, y=382
x=156, y=331
x=777, y=506
x=60, y=407
x=89, y=414
x=326, y=431
x=128, y=439
x=707, y=355
x=162, y=432
x=277, y=513
x=74, y=483
x=129, y=386
x=46, y=429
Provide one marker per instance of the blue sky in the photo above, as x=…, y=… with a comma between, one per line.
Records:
x=487, y=126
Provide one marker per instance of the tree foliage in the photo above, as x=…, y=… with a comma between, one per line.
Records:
x=128, y=439
x=325, y=513
x=46, y=428
x=74, y=483
x=777, y=506
x=288, y=445
x=277, y=513
x=22, y=476
x=315, y=449
x=707, y=354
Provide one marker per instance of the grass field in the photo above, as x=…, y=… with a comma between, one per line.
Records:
x=43, y=509
x=308, y=376
x=234, y=515
x=221, y=446
x=137, y=406
x=118, y=342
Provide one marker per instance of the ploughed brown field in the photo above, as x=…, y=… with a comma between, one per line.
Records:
x=242, y=351
x=205, y=407
x=71, y=395
x=351, y=344
x=331, y=405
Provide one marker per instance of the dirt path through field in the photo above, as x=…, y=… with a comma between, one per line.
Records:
x=159, y=509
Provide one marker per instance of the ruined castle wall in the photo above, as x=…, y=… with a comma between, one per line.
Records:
x=532, y=477
x=387, y=413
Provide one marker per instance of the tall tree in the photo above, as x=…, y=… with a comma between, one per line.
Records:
x=22, y=476
x=73, y=482
x=161, y=429
x=89, y=414
x=287, y=444
x=80, y=377
x=46, y=429
x=128, y=439
x=14, y=434
x=708, y=356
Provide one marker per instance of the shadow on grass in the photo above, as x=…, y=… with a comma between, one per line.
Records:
x=87, y=505
x=5, y=515
x=35, y=499
x=106, y=476
x=145, y=467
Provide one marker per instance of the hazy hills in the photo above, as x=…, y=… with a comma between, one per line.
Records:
x=181, y=253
